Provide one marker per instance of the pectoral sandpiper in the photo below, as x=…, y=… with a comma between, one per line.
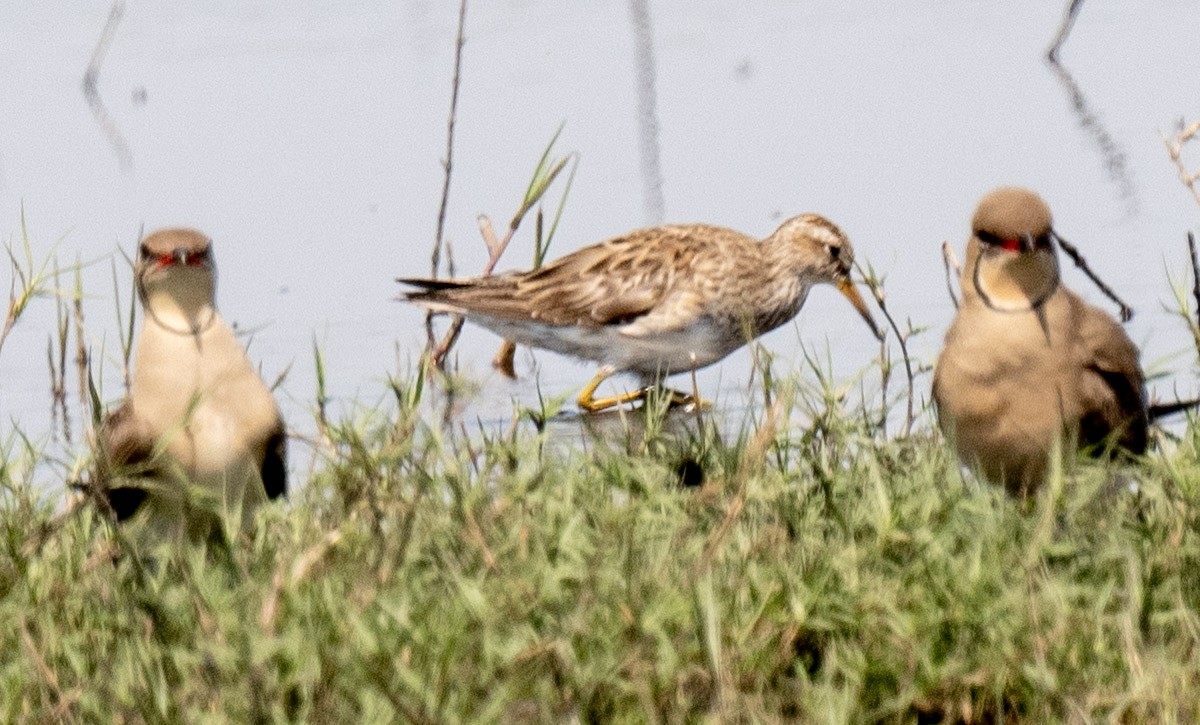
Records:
x=656, y=301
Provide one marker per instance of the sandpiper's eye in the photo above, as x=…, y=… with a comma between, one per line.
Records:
x=835, y=252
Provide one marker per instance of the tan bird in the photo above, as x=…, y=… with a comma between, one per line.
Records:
x=1028, y=366
x=656, y=301
x=200, y=432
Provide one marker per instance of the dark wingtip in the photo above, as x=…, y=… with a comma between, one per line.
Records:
x=428, y=285
x=274, y=465
x=1154, y=411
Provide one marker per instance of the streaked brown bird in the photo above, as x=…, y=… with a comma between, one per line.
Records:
x=1027, y=365
x=656, y=301
x=199, y=422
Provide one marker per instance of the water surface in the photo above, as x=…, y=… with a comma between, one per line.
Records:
x=307, y=140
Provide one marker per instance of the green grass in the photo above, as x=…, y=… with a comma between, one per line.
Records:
x=426, y=574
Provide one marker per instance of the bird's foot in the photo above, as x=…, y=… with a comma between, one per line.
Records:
x=674, y=398
x=678, y=399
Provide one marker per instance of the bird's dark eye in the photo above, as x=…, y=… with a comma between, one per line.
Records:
x=835, y=253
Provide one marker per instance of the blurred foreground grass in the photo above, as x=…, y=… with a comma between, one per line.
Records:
x=818, y=572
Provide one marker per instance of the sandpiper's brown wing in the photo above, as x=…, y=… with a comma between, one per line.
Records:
x=613, y=282
x=1112, y=389
x=123, y=444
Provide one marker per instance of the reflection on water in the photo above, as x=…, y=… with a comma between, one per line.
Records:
x=647, y=114
x=91, y=78
x=1115, y=163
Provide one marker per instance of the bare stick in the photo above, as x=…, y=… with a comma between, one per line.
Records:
x=1064, y=29
x=90, y=93
x=953, y=270
x=1073, y=252
x=495, y=249
x=82, y=359
x=543, y=177
x=447, y=163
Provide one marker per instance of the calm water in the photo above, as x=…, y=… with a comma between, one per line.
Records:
x=307, y=139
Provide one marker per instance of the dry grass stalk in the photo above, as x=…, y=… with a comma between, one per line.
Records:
x=1175, y=151
x=876, y=286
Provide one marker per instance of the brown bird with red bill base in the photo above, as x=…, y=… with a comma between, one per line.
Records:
x=199, y=422
x=1028, y=367
x=656, y=301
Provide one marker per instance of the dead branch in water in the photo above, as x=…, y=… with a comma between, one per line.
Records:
x=543, y=176
x=435, y=261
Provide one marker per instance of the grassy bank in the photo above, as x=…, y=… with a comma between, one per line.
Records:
x=818, y=571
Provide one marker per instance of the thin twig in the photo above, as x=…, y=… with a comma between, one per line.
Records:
x=82, y=358
x=950, y=262
x=876, y=288
x=543, y=177
x=1073, y=252
x=448, y=162
x=1064, y=29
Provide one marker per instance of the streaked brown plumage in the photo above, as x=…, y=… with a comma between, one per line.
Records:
x=198, y=419
x=656, y=301
x=1027, y=364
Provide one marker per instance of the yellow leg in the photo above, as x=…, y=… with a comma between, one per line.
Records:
x=591, y=404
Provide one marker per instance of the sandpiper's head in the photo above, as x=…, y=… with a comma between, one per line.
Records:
x=176, y=277
x=818, y=249
x=1011, y=263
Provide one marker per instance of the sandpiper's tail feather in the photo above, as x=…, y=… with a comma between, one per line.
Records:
x=428, y=285
x=495, y=295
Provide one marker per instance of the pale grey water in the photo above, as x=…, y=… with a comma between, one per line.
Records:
x=306, y=139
